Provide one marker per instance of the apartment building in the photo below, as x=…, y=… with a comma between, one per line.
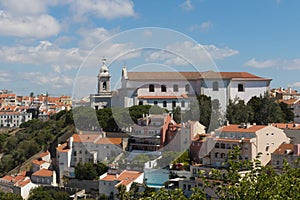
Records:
x=252, y=140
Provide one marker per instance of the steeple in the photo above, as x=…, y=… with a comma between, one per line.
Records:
x=103, y=78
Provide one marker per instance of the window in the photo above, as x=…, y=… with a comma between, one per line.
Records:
x=104, y=85
x=164, y=104
x=175, y=88
x=216, y=155
x=217, y=145
x=140, y=103
x=173, y=104
x=241, y=87
x=187, y=87
x=155, y=102
x=163, y=88
x=151, y=88
x=183, y=104
x=222, y=146
x=215, y=86
x=223, y=155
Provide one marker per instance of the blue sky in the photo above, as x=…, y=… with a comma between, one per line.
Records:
x=43, y=43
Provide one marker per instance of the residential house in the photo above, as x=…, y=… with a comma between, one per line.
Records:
x=289, y=153
x=109, y=182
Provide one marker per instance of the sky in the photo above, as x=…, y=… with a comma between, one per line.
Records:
x=57, y=46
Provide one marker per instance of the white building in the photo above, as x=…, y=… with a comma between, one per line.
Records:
x=19, y=184
x=13, y=119
x=172, y=89
x=252, y=139
x=110, y=181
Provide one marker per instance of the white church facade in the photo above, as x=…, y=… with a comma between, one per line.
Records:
x=176, y=89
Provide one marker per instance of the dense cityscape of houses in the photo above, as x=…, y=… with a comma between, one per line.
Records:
x=155, y=134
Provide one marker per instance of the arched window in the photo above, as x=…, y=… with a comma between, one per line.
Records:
x=223, y=155
x=216, y=155
x=104, y=85
x=151, y=88
x=215, y=86
x=217, y=145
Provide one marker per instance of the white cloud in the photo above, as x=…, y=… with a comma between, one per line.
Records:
x=191, y=52
x=187, y=5
x=203, y=27
x=261, y=64
x=296, y=84
x=44, y=54
x=92, y=37
x=293, y=64
x=28, y=7
x=40, y=26
x=108, y=9
x=5, y=76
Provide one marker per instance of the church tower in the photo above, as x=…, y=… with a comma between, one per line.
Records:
x=104, y=94
x=103, y=78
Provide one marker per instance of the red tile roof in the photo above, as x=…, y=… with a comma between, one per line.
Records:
x=125, y=178
x=63, y=147
x=191, y=75
x=38, y=162
x=238, y=128
x=43, y=172
x=283, y=148
x=95, y=138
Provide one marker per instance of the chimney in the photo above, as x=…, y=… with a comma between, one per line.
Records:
x=248, y=125
x=227, y=123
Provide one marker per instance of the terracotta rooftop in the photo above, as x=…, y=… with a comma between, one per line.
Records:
x=43, y=172
x=23, y=183
x=38, y=162
x=125, y=178
x=85, y=137
x=286, y=125
x=191, y=75
x=63, y=147
x=46, y=153
x=95, y=138
x=283, y=148
x=238, y=128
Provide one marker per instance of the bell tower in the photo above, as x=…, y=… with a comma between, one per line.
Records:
x=103, y=78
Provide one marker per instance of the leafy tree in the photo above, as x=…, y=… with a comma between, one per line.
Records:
x=90, y=171
x=86, y=171
x=238, y=112
x=266, y=110
x=177, y=114
x=40, y=193
x=10, y=196
x=288, y=115
x=122, y=194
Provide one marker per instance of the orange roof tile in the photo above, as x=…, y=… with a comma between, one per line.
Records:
x=237, y=128
x=115, y=141
x=38, y=162
x=43, y=172
x=63, y=147
x=46, y=153
x=125, y=178
x=286, y=125
x=23, y=183
x=86, y=137
x=191, y=75
x=283, y=148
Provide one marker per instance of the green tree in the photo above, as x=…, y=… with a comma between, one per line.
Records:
x=266, y=110
x=288, y=114
x=10, y=196
x=238, y=112
x=122, y=194
x=40, y=193
x=86, y=171
x=177, y=114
